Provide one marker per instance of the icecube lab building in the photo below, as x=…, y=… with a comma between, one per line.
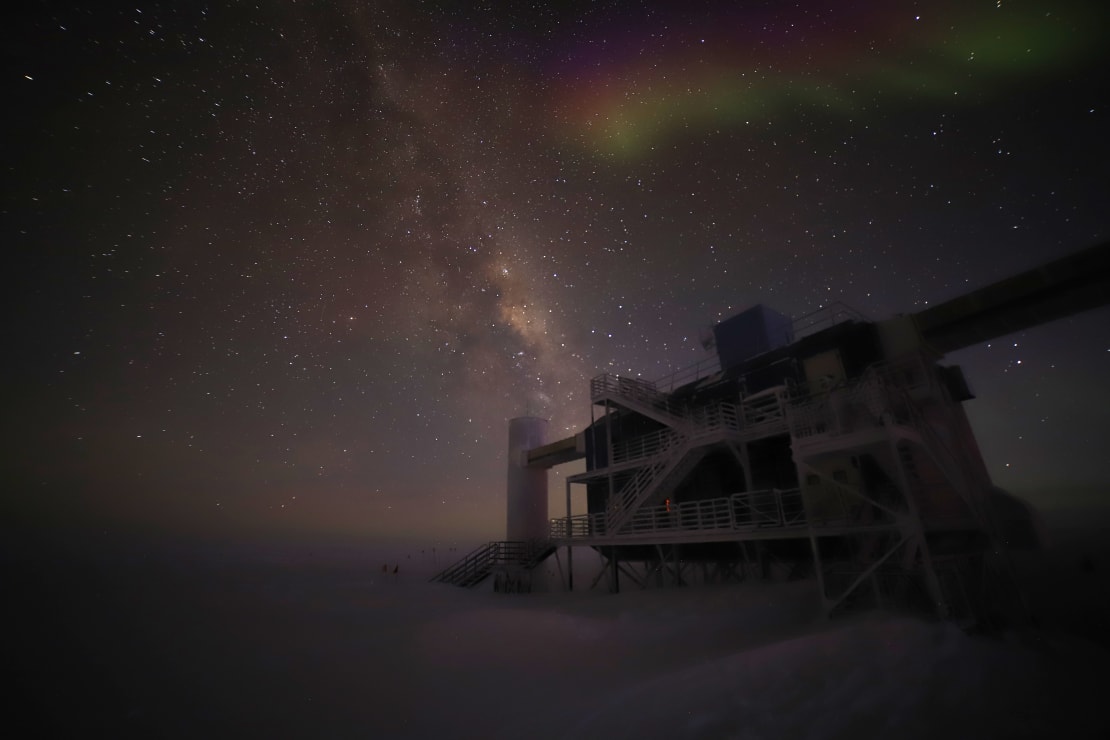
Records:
x=832, y=448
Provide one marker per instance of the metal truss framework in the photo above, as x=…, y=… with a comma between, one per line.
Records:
x=865, y=546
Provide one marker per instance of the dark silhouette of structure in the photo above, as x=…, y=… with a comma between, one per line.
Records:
x=831, y=447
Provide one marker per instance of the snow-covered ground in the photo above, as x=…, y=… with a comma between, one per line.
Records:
x=322, y=644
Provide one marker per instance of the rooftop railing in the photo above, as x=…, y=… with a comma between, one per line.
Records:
x=683, y=376
x=824, y=317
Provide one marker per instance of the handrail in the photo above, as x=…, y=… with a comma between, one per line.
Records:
x=745, y=511
x=608, y=385
x=626, y=499
x=762, y=408
x=711, y=419
x=620, y=385
x=706, y=422
x=703, y=368
x=476, y=565
x=644, y=446
x=665, y=451
x=469, y=566
x=824, y=317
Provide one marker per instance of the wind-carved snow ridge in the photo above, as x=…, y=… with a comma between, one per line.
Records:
x=880, y=676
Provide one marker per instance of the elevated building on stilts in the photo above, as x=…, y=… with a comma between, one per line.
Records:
x=834, y=448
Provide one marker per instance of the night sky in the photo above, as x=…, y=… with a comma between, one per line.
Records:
x=286, y=269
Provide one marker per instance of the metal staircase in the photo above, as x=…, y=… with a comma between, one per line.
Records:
x=477, y=565
x=472, y=568
x=665, y=457
x=653, y=481
x=640, y=396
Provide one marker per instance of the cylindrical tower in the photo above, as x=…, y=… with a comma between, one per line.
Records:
x=527, y=487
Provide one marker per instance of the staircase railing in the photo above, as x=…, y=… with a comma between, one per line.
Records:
x=625, y=501
x=471, y=568
x=706, y=421
x=644, y=446
x=667, y=453
x=477, y=564
x=636, y=391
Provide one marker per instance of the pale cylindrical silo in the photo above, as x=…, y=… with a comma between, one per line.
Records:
x=527, y=487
